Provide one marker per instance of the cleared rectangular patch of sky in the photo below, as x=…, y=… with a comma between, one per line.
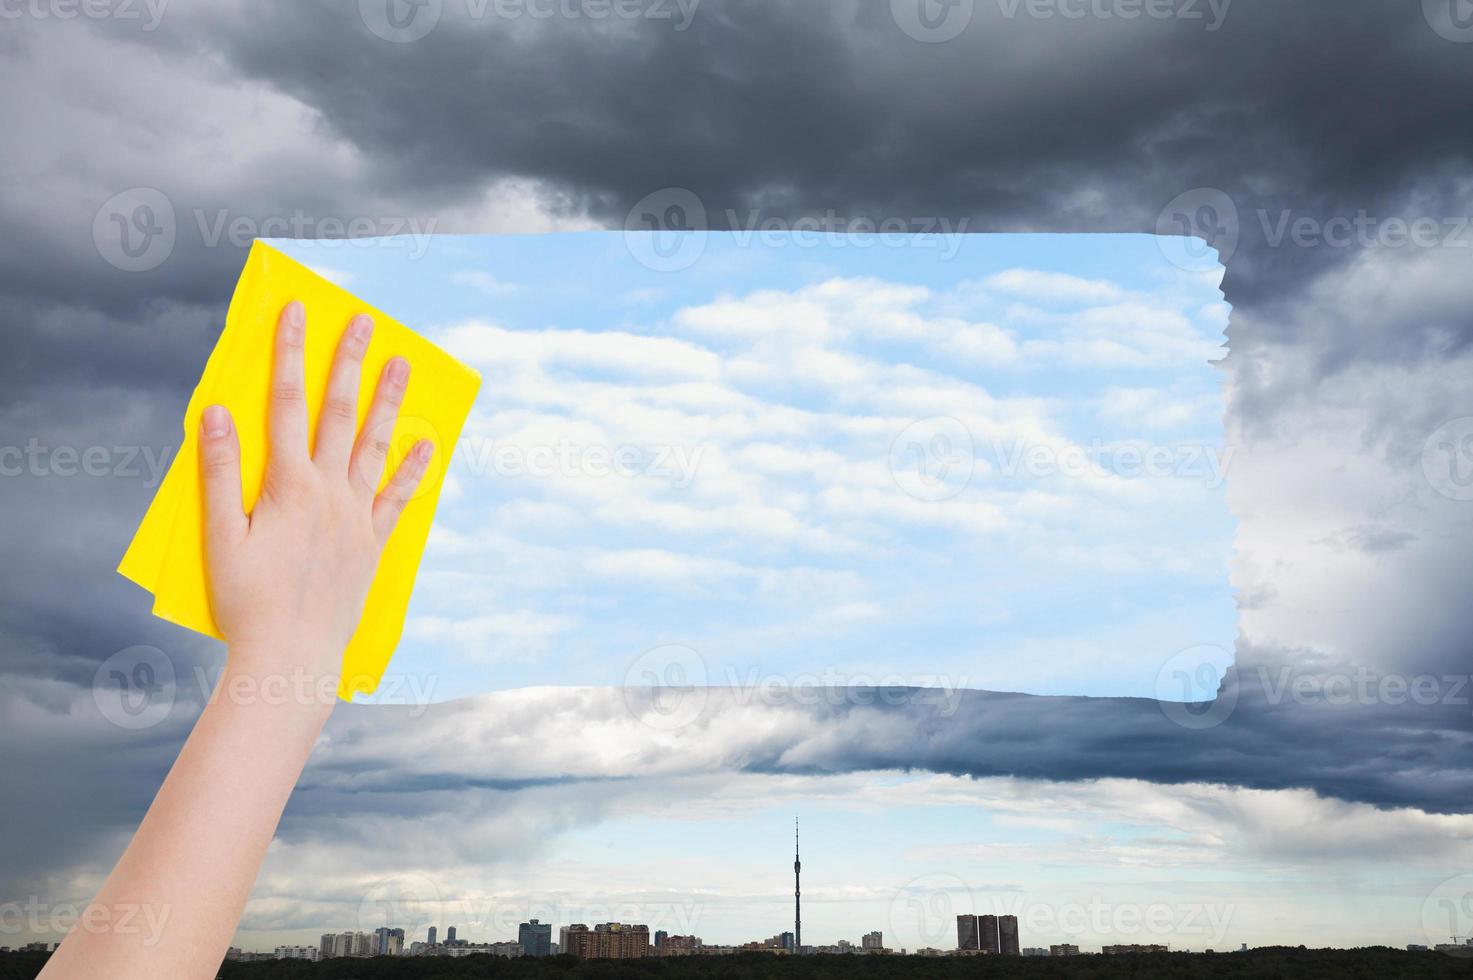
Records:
x=799, y=461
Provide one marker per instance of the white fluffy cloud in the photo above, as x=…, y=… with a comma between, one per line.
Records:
x=810, y=454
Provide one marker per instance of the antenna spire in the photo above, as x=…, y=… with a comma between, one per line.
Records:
x=797, y=893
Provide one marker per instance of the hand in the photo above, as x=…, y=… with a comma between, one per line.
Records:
x=288, y=582
x=287, y=586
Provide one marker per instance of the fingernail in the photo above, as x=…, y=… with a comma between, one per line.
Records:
x=399, y=371
x=296, y=319
x=216, y=422
x=424, y=451
x=361, y=328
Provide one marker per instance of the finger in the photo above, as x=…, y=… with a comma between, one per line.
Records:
x=339, y=418
x=219, y=462
x=288, y=414
x=372, y=450
x=400, y=489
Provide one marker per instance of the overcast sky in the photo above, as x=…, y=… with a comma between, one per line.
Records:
x=1317, y=143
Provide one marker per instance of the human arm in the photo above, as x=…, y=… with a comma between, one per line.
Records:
x=287, y=587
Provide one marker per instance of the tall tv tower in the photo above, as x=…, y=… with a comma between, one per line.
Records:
x=797, y=893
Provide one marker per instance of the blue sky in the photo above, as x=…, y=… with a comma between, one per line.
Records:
x=790, y=460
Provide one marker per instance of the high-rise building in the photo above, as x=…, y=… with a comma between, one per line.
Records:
x=966, y=932
x=432, y=935
x=388, y=942
x=1063, y=949
x=872, y=940
x=535, y=937
x=345, y=944
x=1007, y=935
x=449, y=935
x=617, y=941
x=660, y=936
x=297, y=953
x=987, y=933
x=577, y=940
x=607, y=941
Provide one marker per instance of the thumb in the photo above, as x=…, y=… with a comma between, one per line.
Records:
x=219, y=462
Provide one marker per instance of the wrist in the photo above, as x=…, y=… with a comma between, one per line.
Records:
x=275, y=681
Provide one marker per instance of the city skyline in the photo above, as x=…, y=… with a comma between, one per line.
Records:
x=614, y=940
x=976, y=933
x=986, y=933
x=896, y=891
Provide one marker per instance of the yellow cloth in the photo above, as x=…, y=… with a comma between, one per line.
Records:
x=166, y=556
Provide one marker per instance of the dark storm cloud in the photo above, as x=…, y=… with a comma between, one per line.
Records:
x=1386, y=755
x=1366, y=736
x=1019, y=123
x=1316, y=109
x=476, y=755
